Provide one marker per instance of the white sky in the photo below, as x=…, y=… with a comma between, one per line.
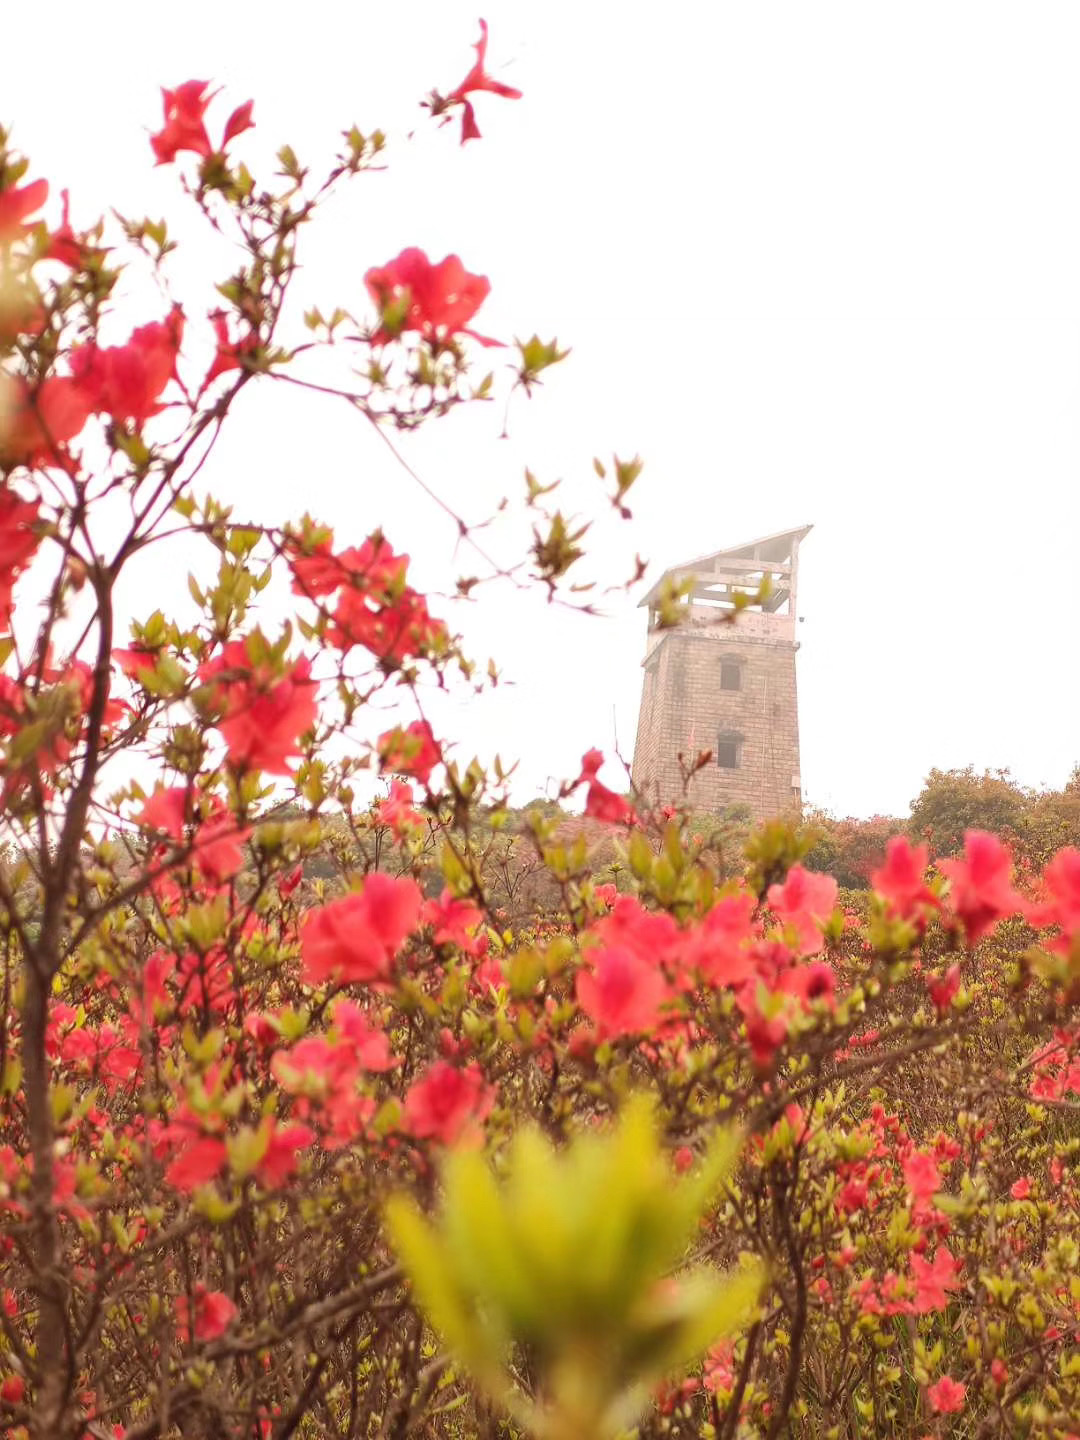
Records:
x=818, y=263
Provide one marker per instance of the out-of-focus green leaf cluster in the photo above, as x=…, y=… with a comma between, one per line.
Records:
x=570, y=1253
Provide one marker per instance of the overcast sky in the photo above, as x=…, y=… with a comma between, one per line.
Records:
x=818, y=263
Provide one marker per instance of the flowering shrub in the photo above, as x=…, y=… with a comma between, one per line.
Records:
x=246, y=1015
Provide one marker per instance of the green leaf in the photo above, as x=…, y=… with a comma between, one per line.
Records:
x=246, y=1148
x=61, y=1099
x=536, y=356
x=430, y=1272
x=571, y=1252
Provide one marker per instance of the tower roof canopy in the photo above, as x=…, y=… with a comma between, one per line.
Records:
x=764, y=553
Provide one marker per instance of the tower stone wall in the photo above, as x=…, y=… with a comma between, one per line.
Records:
x=724, y=683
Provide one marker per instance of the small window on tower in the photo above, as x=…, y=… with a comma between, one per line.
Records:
x=730, y=675
x=727, y=751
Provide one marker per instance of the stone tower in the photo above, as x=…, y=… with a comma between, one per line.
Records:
x=728, y=688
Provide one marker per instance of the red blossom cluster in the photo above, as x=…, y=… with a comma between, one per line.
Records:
x=44, y=731
x=375, y=607
x=644, y=961
x=265, y=706
x=448, y=1103
x=357, y=937
x=397, y=811
x=185, y=127
x=411, y=750
x=216, y=841
x=436, y=301
x=124, y=382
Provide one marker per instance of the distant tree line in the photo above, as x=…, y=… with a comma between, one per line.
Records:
x=1035, y=823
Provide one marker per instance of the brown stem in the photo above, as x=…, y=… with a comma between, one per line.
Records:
x=51, y=1362
x=798, y=1313
x=734, y=1405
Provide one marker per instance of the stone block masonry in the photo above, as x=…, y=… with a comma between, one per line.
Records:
x=725, y=687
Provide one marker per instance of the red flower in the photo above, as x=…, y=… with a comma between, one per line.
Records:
x=323, y=1076
x=217, y=841
x=455, y=921
x=133, y=661
x=411, y=751
x=447, y=1103
x=279, y=1161
x=804, y=901
x=166, y=810
x=230, y=354
x=981, y=892
x=214, y=1313
x=16, y=205
x=18, y=542
x=154, y=995
x=933, y=1279
x=265, y=711
x=1061, y=879
x=184, y=128
x=476, y=80
x=79, y=675
x=12, y=1389
x=396, y=809
x=357, y=937
x=816, y=981
x=921, y=1175
x=649, y=935
x=36, y=424
x=717, y=949
x=288, y=883
x=943, y=988
x=219, y=847
x=620, y=992
x=852, y=1197
x=600, y=802
x=718, y=1371
x=393, y=632
x=901, y=879
x=198, y=1162
x=1020, y=1189
x=64, y=245
x=370, y=1048
x=603, y=804
x=591, y=762
x=313, y=1067
x=373, y=568
x=436, y=300
x=764, y=1033
x=947, y=1396
x=126, y=381
x=239, y=121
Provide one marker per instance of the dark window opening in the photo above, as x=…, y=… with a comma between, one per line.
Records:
x=727, y=752
x=730, y=675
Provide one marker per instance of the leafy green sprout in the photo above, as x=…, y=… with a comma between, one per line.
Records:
x=571, y=1254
